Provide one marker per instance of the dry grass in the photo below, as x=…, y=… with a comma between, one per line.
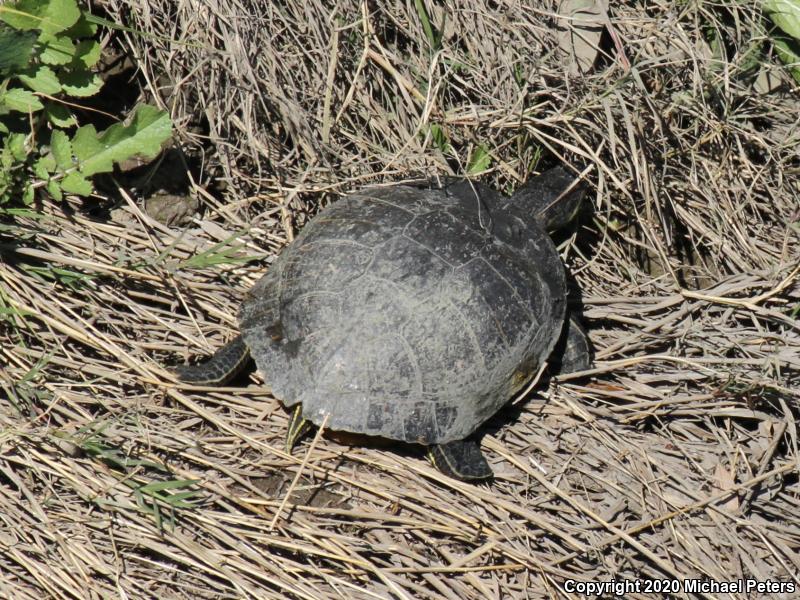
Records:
x=676, y=458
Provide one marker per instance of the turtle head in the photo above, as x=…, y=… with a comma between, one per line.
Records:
x=552, y=199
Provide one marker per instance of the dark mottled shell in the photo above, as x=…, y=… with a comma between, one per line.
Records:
x=406, y=313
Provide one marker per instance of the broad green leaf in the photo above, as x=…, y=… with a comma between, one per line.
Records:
x=76, y=183
x=19, y=18
x=54, y=189
x=62, y=149
x=83, y=28
x=148, y=129
x=44, y=81
x=87, y=53
x=479, y=161
x=16, y=48
x=57, y=50
x=6, y=160
x=81, y=83
x=789, y=52
x=59, y=115
x=85, y=143
x=28, y=194
x=40, y=170
x=20, y=100
x=16, y=145
x=50, y=16
x=47, y=165
x=785, y=14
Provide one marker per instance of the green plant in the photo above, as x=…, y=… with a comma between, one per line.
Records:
x=433, y=35
x=785, y=14
x=149, y=481
x=47, y=57
x=479, y=160
x=439, y=138
x=222, y=253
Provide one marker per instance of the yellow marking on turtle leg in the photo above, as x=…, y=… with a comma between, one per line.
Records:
x=298, y=427
x=446, y=468
x=431, y=457
x=219, y=369
x=238, y=366
x=460, y=460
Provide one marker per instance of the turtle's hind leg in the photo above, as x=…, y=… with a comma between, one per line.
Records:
x=224, y=365
x=573, y=352
x=298, y=427
x=461, y=459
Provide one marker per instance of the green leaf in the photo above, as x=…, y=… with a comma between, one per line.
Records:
x=46, y=165
x=87, y=53
x=40, y=169
x=83, y=28
x=160, y=491
x=50, y=16
x=785, y=14
x=439, y=138
x=221, y=253
x=6, y=160
x=148, y=129
x=76, y=183
x=479, y=161
x=28, y=194
x=16, y=48
x=160, y=486
x=85, y=143
x=788, y=51
x=16, y=146
x=59, y=115
x=54, y=189
x=19, y=17
x=61, y=149
x=433, y=35
x=57, y=50
x=81, y=83
x=43, y=81
x=20, y=100
x=95, y=20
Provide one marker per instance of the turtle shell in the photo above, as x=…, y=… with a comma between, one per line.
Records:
x=407, y=313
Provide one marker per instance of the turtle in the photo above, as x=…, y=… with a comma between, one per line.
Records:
x=413, y=313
